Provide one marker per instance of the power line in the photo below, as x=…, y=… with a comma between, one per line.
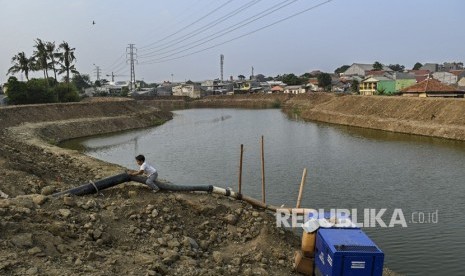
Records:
x=120, y=67
x=241, y=36
x=228, y=30
x=118, y=59
x=187, y=26
x=183, y=15
x=203, y=28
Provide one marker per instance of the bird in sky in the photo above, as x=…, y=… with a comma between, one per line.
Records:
x=93, y=22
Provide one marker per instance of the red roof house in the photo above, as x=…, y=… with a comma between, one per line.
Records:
x=432, y=88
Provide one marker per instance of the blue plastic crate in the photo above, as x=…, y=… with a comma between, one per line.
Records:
x=347, y=252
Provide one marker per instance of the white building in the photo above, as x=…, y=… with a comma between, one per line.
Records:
x=189, y=90
x=445, y=77
x=294, y=89
x=359, y=69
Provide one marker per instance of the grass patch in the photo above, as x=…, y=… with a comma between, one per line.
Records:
x=276, y=104
x=297, y=111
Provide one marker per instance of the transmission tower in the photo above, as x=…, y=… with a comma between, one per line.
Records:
x=97, y=71
x=221, y=66
x=131, y=54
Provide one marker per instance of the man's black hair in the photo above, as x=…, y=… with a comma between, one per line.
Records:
x=140, y=157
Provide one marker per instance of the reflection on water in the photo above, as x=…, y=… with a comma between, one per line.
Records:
x=347, y=168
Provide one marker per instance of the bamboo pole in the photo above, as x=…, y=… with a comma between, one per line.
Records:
x=263, y=171
x=302, y=183
x=240, y=170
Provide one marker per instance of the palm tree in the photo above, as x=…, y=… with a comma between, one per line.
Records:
x=66, y=60
x=21, y=64
x=52, y=56
x=41, y=56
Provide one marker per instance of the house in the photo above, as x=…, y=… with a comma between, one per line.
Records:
x=116, y=88
x=277, y=89
x=241, y=87
x=294, y=89
x=377, y=84
x=459, y=73
x=448, y=66
x=403, y=80
x=164, y=90
x=461, y=82
x=312, y=85
x=445, y=77
x=340, y=85
x=215, y=87
x=432, y=67
x=265, y=87
x=420, y=75
x=368, y=86
x=360, y=69
x=432, y=88
x=190, y=90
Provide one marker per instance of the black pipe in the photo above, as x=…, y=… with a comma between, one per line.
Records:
x=96, y=186
x=173, y=187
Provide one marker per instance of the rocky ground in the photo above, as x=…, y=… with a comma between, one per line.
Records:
x=131, y=231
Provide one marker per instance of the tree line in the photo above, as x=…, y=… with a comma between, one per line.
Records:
x=51, y=60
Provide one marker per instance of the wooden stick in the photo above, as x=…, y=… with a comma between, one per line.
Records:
x=263, y=173
x=302, y=183
x=240, y=170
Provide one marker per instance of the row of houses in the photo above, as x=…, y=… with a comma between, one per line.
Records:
x=420, y=83
x=371, y=82
x=197, y=90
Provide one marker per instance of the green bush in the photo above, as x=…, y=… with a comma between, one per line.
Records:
x=66, y=92
x=124, y=91
x=39, y=91
x=16, y=91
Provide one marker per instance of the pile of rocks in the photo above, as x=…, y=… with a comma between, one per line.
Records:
x=131, y=231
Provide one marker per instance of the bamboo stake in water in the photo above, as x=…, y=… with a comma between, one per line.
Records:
x=263, y=172
x=302, y=183
x=240, y=169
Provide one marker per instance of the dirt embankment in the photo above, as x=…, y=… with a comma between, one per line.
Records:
x=444, y=118
x=29, y=133
x=126, y=230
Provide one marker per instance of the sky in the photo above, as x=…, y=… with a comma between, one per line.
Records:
x=179, y=40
